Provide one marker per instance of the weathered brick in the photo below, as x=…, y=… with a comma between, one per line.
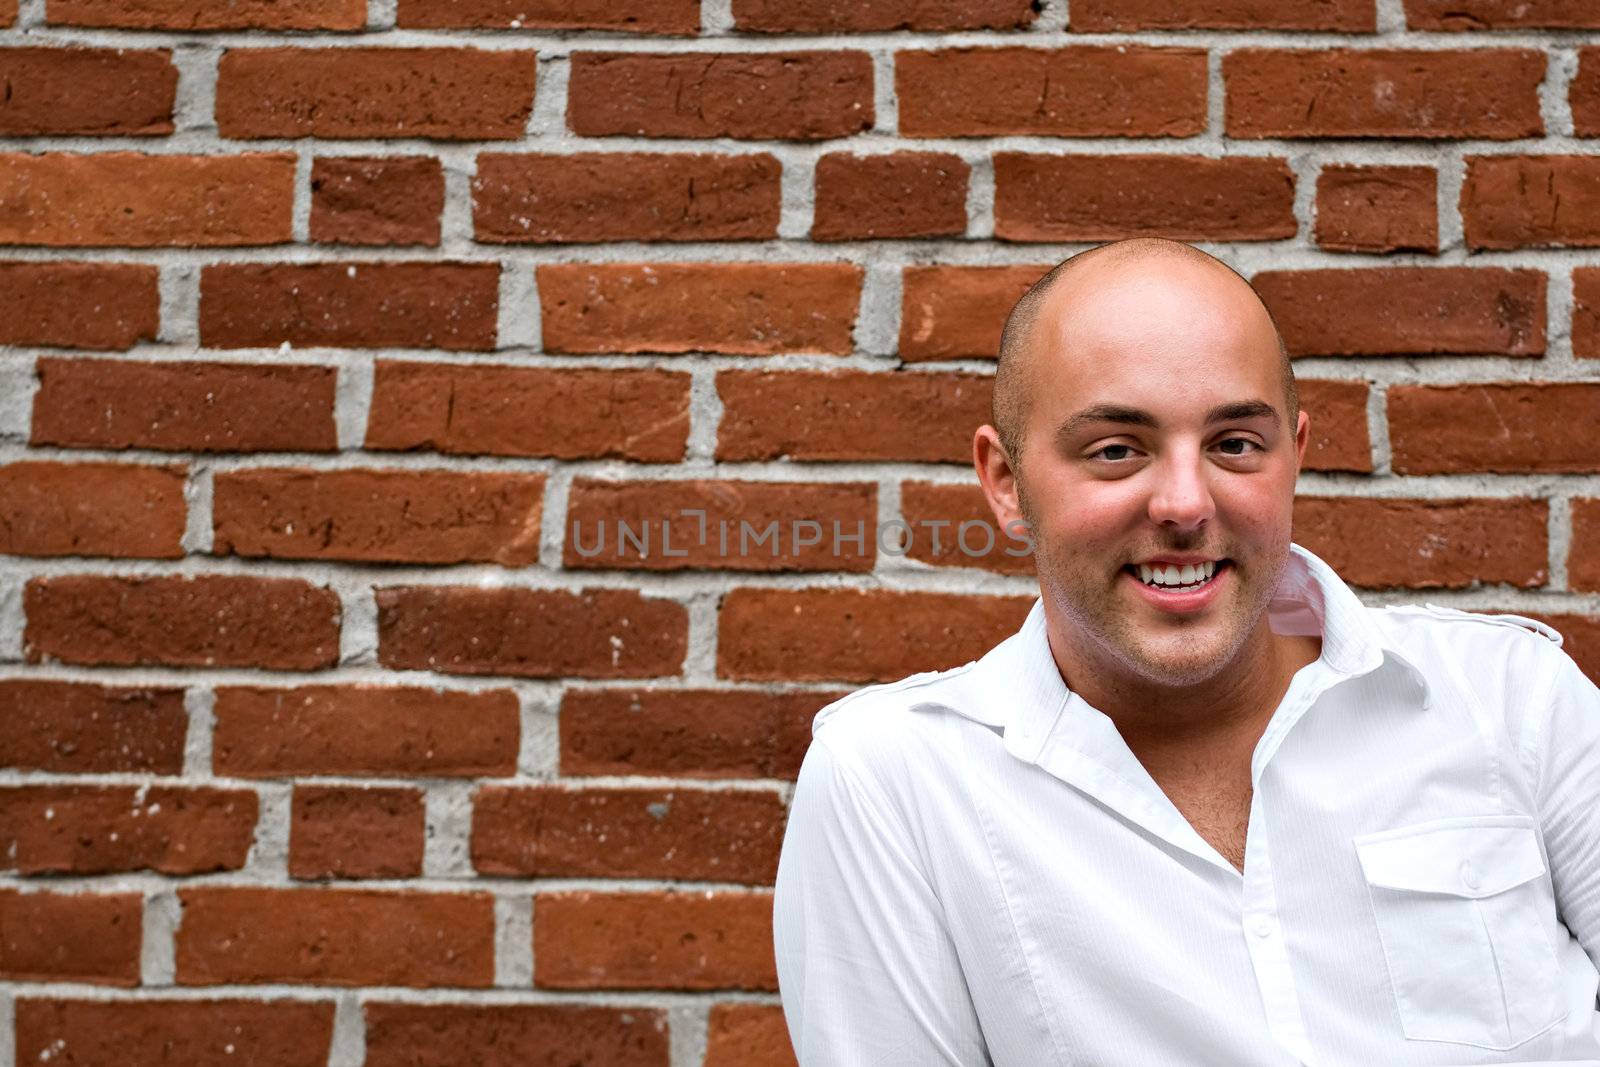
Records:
x=44, y=304
x=345, y=832
x=379, y=516
x=1377, y=209
x=532, y=633
x=1083, y=91
x=1584, y=94
x=731, y=308
x=70, y=937
x=356, y=730
x=1101, y=198
x=957, y=517
x=376, y=200
x=881, y=16
x=86, y=91
x=949, y=312
x=1583, y=556
x=121, y=510
x=691, y=834
x=208, y=15
x=238, y=935
x=813, y=521
x=72, y=829
x=1586, y=312
x=184, y=407
x=161, y=1033
x=1106, y=16
x=1531, y=202
x=624, y=196
x=742, y=1035
x=131, y=200
x=584, y=413
x=83, y=728
x=1427, y=544
x=444, y=94
x=1501, y=14
x=209, y=620
x=1383, y=92
x=8, y=12
x=850, y=415
x=1504, y=427
x=901, y=194
x=856, y=635
x=794, y=96
x=515, y=1035
x=1408, y=310
x=452, y=306
x=1581, y=639
x=632, y=16
x=1339, y=436
x=709, y=940
x=688, y=733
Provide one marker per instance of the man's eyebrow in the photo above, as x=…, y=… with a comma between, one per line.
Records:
x=1235, y=411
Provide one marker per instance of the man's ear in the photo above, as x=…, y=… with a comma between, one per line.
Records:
x=1302, y=437
x=997, y=475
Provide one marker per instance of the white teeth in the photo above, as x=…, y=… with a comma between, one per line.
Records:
x=1187, y=575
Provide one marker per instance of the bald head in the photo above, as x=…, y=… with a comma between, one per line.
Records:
x=1072, y=286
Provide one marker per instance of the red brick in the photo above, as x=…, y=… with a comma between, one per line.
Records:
x=1339, y=437
x=514, y=1035
x=530, y=633
x=793, y=96
x=1408, y=310
x=449, y=94
x=881, y=16
x=856, y=635
x=1104, y=198
x=731, y=308
x=1383, y=92
x=82, y=728
x=86, y=91
x=382, y=200
x=689, y=834
x=736, y=515
x=209, y=15
x=584, y=413
x=1501, y=14
x=1505, y=427
x=748, y=1035
x=688, y=733
x=70, y=937
x=1586, y=312
x=958, y=312
x=1105, y=16
x=1583, y=557
x=92, y=509
x=968, y=536
x=356, y=730
x=901, y=194
x=1581, y=634
x=1377, y=209
x=44, y=303
x=125, y=199
x=236, y=935
x=1584, y=94
x=632, y=16
x=71, y=829
x=378, y=516
x=162, y=1033
x=625, y=196
x=1531, y=202
x=340, y=832
x=184, y=407
x=709, y=940
x=8, y=12
x=350, y=305
x=1427, y=544
x=1082, y=91
x=850, y=415
x=208, y=620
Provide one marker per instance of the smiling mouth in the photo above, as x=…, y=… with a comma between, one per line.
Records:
x=1178, y=579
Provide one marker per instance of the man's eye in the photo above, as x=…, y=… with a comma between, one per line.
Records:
x=1246, y=446
x=1113, y=452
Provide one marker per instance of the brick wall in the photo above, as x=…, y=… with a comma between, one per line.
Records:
x=325, y=742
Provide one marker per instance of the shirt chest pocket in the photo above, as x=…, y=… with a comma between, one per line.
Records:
x=1464, y=911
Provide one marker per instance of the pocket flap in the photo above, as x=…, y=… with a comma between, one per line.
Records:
x=1459, y=857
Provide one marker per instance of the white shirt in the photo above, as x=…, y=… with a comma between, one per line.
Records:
x=977, y=870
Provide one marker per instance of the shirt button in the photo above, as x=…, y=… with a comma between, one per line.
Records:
x=1261, y=926
x=1469, y=875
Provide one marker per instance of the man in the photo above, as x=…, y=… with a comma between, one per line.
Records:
x=1204, y=807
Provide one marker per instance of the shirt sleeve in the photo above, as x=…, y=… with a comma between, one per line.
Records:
x=866, y=967
x=1569, y=799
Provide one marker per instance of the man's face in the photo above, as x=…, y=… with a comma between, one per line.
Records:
x=1159, y=466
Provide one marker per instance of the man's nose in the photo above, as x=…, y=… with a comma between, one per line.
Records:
x=1181, y=499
